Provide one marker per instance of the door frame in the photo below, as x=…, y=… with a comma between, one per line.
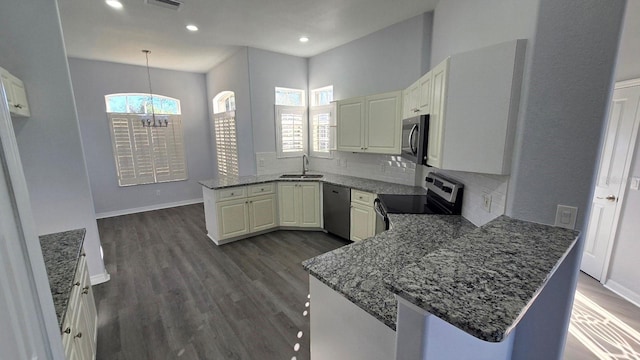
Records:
x=29, y=269
x=623, y=191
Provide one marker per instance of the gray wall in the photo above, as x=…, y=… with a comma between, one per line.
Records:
x=628, y=63
x=387, y=60
x=233, y=75
x=49, y=141
x=92, y=80
x=266, y=71
x=624, y=269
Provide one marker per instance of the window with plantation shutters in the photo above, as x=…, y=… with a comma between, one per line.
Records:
x=291, y=130
x=291, y=122
x=224, y=133
x=147, y=154
x=322, y=121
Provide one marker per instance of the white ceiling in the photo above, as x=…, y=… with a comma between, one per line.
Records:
x=93, y=30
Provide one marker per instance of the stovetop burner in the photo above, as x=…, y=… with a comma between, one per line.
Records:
x=406, y=204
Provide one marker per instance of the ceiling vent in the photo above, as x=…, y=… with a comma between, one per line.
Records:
x=169, y=4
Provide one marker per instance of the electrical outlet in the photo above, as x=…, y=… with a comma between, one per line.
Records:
x=486, y=202
x=566, y=216
x=635, y=183
x=157, y=192
x=261, y=162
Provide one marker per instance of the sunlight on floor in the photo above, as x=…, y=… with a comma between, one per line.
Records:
x=601, y=332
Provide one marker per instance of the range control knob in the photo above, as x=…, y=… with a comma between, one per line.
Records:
x=447, y=189
x=428, y=179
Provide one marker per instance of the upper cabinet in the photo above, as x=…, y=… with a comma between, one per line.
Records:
x=417, y=97
x=16, y=94
x=370, y=124
x=474, y=107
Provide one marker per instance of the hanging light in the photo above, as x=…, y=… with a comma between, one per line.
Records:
x=154, y=120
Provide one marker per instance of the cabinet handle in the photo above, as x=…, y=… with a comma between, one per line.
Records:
x=19, y=106
x=232, y=194
x=85, y=290
x=78, y=335
x=83, y=254
x=261, y=189
x=67, y=330
x=77, y=283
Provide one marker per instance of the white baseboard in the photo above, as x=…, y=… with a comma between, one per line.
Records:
x=629, y=295
x=109, y=214
x=100, y=278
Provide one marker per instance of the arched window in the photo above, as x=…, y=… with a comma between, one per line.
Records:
x=224, y=133
x=147, y=138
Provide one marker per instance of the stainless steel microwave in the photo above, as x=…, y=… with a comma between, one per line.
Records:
x=415, y=134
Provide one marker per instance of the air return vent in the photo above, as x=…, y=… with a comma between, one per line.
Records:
x=169, y=4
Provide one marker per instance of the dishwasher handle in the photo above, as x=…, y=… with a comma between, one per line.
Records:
x=379, y=209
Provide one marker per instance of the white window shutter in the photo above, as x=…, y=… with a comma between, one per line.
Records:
x=224, y=128
x=291, y=131
x=323, y=130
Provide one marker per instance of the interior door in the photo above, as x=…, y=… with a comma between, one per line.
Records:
x=622, y=128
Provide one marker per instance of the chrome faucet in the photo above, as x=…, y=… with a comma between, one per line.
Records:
x=305, y=163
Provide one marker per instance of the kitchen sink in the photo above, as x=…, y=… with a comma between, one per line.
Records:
x=300, y=176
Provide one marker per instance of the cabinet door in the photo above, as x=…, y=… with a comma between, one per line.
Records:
x=20, y=105
x=384, y=114
x=5, y=77
x=424, y=101
x=233, y=218
x=362, y=222
x=350, y=125
x=406, y=104
x=310, y=200
x=287, y=203
x=437, y=115
x=89, y=304
x=262, y=212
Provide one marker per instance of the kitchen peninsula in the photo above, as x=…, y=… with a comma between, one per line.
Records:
x=460, y=291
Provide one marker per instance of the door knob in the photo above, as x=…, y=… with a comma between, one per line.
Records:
x=610, y=198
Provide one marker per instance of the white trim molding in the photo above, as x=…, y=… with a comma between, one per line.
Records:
x=623, y=291
x=100, y=278
x=109, y=214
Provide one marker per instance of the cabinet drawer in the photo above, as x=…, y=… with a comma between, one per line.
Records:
x=231, y=193
x=262, y=189
x=362, y=197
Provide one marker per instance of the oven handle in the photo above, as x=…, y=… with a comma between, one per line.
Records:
x=378, y=208
x=411, y=134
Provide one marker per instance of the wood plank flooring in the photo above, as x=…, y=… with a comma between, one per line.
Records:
x=173, y=294
x=612, y=303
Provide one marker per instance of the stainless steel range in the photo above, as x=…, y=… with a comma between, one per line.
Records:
x=444, y=197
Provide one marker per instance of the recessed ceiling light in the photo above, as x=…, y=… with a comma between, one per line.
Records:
x=116, y=4
x=191, y=27
x=304, y=39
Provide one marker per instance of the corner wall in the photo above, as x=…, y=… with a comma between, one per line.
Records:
x=92, y=80
x=387, y=60
x=49, y=141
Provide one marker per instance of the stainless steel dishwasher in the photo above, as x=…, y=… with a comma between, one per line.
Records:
x=336, y=201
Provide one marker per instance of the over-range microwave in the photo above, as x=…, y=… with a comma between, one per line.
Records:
x=415, y=134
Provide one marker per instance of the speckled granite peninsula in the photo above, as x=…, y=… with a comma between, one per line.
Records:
x=374, y=186
x=481, y=280
x=61, y=252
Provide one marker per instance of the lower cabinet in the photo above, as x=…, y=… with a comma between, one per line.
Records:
x=299, y=204
x=363, y=216
x=79, y=329
x=235, y=212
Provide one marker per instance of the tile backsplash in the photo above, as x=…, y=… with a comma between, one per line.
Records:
x=475, y=187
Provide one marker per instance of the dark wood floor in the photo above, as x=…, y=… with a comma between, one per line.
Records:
x=612, y=303
x=173, y=294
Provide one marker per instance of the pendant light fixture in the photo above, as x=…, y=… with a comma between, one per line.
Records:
x=154, y=120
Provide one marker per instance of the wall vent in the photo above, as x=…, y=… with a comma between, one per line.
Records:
x=169, y=4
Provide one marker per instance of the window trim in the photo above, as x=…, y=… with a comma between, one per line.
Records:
x=302, y=111
x=155, y=96
x=302, y=97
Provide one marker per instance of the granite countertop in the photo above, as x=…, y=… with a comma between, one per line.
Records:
x=61, y=252
x=358, y=271
x=373, y=186
x=481, y=280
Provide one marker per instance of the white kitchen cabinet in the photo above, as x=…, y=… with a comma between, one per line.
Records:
x=238, y=212
x=363, y=216
x=370, y=124
x=16, y=94
x=474, y=107
x=299, y=204
x=350, y=116
x=416, y=99
x=80, y=321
